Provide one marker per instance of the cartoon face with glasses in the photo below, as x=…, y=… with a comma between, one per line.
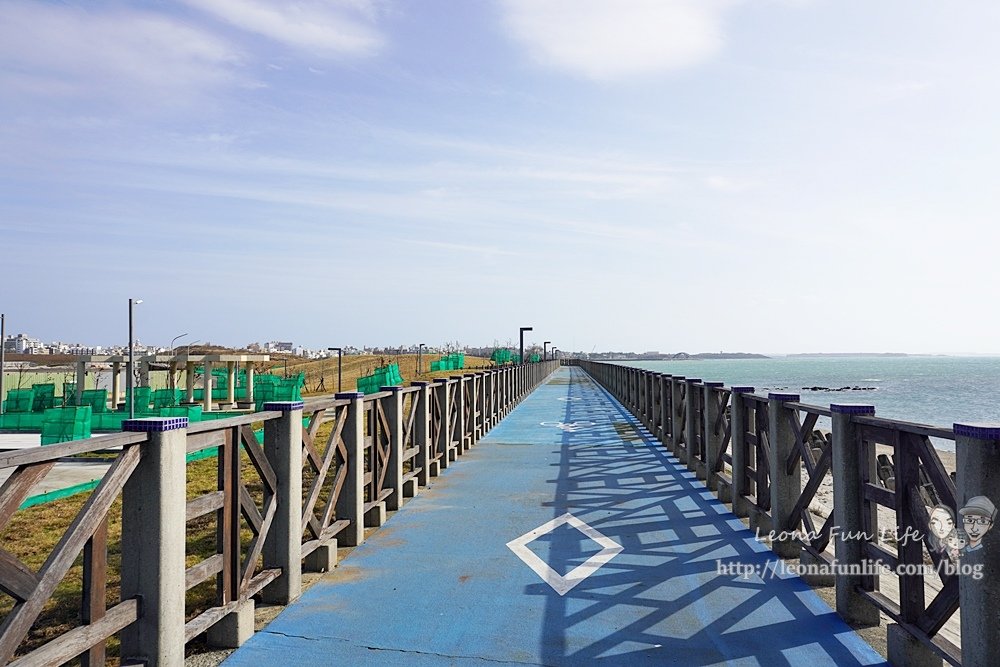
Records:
x=977, y=518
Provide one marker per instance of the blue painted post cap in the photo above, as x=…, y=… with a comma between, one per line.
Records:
x=782, y=396
x=679, y=378
x=978, y=431
x=744, y=390
x=714, y=384
x=420, y=383
x=852, y=409
x=283, y=406
x=440, y=380
x=350, y=395
x=391, y=387
x=692, y=380
x=154, y=424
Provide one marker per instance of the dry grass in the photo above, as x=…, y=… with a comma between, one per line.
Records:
x=324, y=371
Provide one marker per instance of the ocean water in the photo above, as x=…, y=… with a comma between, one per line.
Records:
x=931, y=390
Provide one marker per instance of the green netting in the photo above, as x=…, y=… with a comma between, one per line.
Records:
x=97, y=399
x=384, y=376
x=274, y=388
x=534, y=359
x=65, y=424
x=108, y=421
x=143, y=395
x=43, y=397
x=166, y=398
x=69, y=394
x=449, y=362
x=192, y=412
x=516, y=358
x=18, y=400
x=22, y=421
x=501, y=357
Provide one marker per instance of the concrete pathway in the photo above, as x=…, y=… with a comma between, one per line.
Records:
x=617, y=563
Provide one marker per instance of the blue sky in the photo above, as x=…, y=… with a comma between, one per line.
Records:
x=768, y=175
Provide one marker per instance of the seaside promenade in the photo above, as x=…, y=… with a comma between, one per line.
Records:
x=567, y=536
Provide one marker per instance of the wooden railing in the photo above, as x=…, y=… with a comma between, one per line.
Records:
x=293, y=483
x=757, y=452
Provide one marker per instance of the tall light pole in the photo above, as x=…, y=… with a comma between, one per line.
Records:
x=420, y=358
x=3, y=340
x=174, y=341
x=523, y=329
x=130, y=379
x=340, y=368
x=545, y=346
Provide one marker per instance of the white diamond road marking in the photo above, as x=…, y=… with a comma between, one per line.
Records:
x=563, y=584
x=569, y=427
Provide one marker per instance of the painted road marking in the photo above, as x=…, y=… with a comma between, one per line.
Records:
x=563, y=584
x=569, y=427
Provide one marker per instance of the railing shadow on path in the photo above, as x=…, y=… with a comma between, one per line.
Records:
x=663, y=594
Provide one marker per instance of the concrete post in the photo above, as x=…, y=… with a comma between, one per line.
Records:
x=713, y=440
x=848, y=512
x=479, y=383
x=351, y=503
x=422, y=431
x=207, y=396
x=144, y=372
x=737, y=442
x=231, y=383
x=677, y=405
x=153, y=529
x=172, y=376
x=81, y=378
x=785, y=488
x=443, y=392
x=977, y=448
x=461, y=427
x=692, y=426
x=283, y=544
x=394, y=475
x=250, y=396
x=116, y=384
x=664, y=434
x=189, y=382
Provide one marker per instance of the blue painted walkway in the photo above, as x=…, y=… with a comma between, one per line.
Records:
x=439, y=585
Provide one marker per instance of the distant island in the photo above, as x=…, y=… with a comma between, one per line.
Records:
x=701, y=355
x=849, y=354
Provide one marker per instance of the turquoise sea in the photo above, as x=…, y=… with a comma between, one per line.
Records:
x=932, y=390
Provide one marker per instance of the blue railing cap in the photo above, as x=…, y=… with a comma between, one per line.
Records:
x=349, y=394
x=283, y=406
x=420, y=383
x=852, y=408
x=713, y=383
x=743, y=390
x=692, y=379
x=154, y=424
x=988, y=431
x=391, y=387
x=782, y=396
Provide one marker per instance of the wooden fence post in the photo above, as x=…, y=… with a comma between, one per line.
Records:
x=283, y=544
x=738, y=444
x=785, y=487
x=351, y=503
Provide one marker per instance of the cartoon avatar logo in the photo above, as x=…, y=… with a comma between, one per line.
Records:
x=977, y=519
x=955, y=545
x=941, y=524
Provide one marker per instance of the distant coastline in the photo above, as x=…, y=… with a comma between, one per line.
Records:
x=849, y=354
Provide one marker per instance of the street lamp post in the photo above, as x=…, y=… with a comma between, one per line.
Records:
x=340, y=368
x=174, y=340
x=523, y=329
x=545, y=346
x=420, y=358
x=130, y=378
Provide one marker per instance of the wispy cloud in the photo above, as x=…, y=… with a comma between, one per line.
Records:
x=323, y=28
x=604, y=40
x=55, y=50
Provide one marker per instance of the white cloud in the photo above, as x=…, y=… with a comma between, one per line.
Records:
x=610, y=39
x=62, y=51
x=321, y=27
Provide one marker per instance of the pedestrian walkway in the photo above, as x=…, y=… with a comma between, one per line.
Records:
x=567, y=536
